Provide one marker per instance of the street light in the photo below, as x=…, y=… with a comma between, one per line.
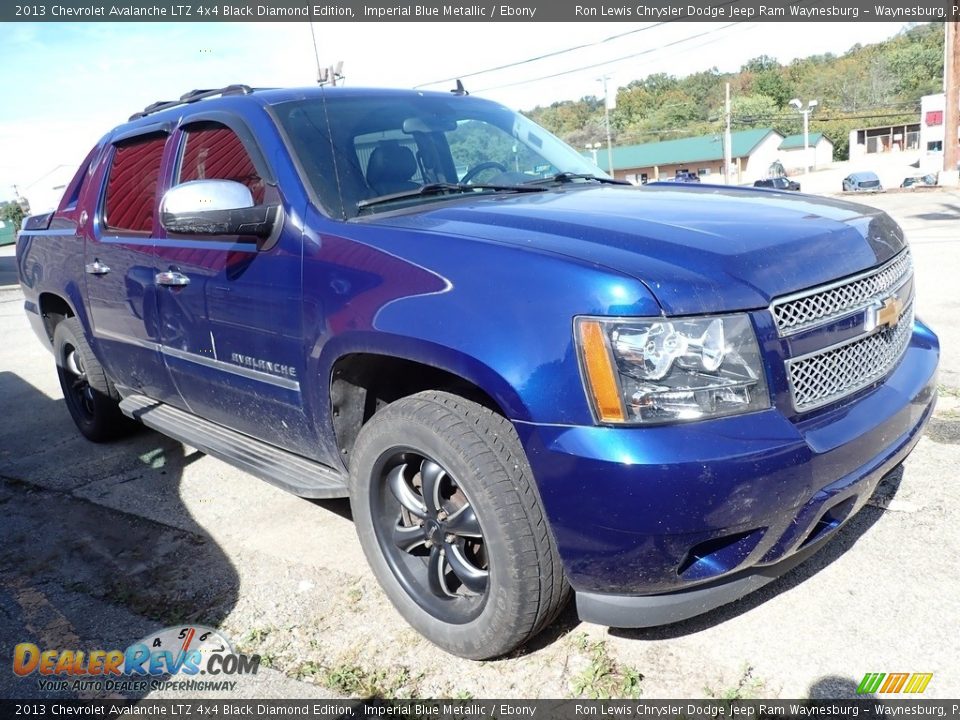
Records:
x=593, y=147
x=798, y=106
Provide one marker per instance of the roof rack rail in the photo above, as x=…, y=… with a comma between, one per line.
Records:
x=192, y=97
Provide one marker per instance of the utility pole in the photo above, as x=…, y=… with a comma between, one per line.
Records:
x=951, y=81
x=727, y=141
x=606, y=114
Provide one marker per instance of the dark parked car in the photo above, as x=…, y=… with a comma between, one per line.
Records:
x=529, y=385
x=864, y=181
x=778, y=183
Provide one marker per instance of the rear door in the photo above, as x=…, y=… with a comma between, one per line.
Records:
x=231, y=321
x=120, y=264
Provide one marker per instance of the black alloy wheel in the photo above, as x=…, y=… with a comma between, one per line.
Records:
x=78, y=393
x=452, y=524
x=429, y=533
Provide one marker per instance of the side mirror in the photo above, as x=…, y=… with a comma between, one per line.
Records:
x=216, y=207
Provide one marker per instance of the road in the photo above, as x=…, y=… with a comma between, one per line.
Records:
x=102, y=545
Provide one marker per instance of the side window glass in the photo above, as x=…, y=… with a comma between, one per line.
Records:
x=131, y=195
x=215, y=152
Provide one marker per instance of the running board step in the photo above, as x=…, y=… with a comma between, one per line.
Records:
x=286, y=470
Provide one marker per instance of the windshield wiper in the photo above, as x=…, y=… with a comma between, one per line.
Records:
x=565, y=177
x=441, y=188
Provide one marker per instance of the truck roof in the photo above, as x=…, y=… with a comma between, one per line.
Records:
x=163, y=110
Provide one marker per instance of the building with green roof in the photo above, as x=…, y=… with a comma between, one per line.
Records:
x=7, y=234
x=820, y=151
x=752, y=153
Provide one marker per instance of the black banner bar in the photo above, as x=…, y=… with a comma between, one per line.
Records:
x=480, y=709
x=480, y=11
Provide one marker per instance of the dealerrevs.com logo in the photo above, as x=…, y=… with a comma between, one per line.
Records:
x=174, y=658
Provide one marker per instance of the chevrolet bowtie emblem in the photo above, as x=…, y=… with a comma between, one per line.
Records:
x=886, y=313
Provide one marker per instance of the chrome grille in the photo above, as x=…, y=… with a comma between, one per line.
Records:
x=833, y=373
x=819, y=306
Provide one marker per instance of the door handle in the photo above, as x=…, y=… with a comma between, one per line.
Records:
x=171, y=278
x=96, y=268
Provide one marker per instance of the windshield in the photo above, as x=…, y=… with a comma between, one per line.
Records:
x=356, y=148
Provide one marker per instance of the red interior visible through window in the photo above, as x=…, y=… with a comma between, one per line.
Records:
x=132, y=185
x=217, y=154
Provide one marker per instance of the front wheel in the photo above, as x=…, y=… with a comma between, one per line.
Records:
x=451, y=523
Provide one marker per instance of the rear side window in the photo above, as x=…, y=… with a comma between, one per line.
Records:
x=214, y=152
x=132, y=185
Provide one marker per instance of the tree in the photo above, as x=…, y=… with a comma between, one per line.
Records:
x=753, y=111
x=12, y=212
x=763, y=63
x=869, y=84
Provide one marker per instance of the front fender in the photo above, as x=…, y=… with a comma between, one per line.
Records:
x=498, y=316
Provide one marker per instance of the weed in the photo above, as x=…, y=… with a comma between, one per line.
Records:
x=604, y=677
x=307, y=669
x=748, y=687
x=357, y=681
x=948, y=390
x=256, y=636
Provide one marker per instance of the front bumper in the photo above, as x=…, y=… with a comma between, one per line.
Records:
x=658, y=524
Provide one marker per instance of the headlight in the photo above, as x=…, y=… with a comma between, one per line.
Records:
x=671, y=370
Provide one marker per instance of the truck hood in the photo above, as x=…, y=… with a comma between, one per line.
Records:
x=697, y=248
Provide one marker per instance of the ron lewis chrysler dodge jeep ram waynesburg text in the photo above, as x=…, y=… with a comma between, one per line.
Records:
x=530, y=379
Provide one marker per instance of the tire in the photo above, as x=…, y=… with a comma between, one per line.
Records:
x=473, y=566
x=92, y=400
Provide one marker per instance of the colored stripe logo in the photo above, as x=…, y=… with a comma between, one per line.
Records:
x=894, y=683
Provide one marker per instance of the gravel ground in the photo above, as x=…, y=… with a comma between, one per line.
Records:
x=101, y=545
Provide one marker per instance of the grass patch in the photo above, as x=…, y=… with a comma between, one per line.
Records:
x=357, y=681
x=748, y=687
x=256, y=636
x=948, y=390
x=307, y=669
x=604, y=678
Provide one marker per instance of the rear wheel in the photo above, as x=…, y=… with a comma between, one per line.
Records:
x=92, y=400
x=452, y=526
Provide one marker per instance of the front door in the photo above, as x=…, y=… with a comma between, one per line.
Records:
x=231, y=317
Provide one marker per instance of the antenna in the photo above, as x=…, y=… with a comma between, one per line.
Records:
x=321, y=74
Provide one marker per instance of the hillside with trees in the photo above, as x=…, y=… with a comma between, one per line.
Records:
x=869, y=85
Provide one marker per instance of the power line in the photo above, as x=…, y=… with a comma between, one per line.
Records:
x=611, y=61
x=752, y=119
x=631, y=56
x=555, y=53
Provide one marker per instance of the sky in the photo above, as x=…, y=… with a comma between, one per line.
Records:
x=65, y=85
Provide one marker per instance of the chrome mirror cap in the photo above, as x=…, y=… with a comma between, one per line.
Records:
x=199, y=196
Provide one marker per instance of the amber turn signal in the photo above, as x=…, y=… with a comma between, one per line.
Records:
x=601, y=379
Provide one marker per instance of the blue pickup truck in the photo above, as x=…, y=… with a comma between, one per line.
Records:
x=530, y=380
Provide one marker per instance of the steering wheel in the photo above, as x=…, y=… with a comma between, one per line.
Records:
x=480, y=167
